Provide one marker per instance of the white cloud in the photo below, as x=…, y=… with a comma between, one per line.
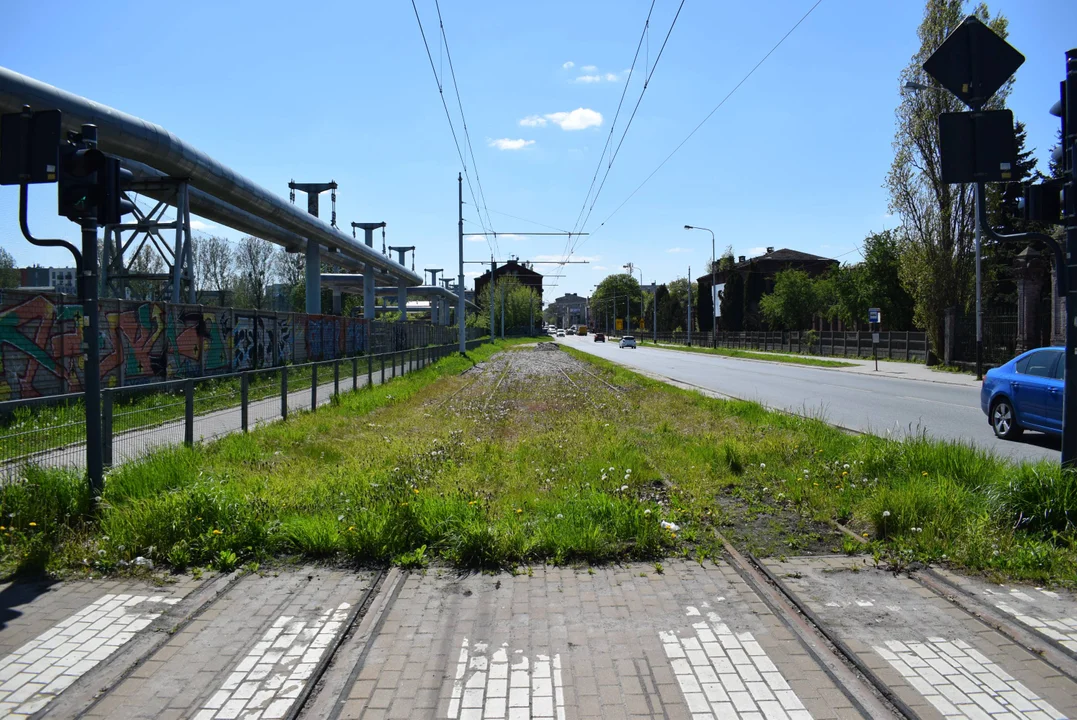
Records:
x=589, y=79
x=510, y=236
x=568, y=65
x=510, y=144
x=612, y=77
x=589, y=68
x=200, y=225
x=678, y=250
x=578, y=119
x=754, y=251
x=475, y=238
x=533, y=121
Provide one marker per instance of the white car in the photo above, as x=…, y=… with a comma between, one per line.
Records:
x=627, y=341
x=560, y=333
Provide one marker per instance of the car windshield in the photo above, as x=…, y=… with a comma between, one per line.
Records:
x=629, y=337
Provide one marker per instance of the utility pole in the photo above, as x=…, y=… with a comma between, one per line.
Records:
x=689, y=306
x=91, y=339
x=1068, y=110
x=502, y=294
x=493, y=269
x=460, y=278
x=654, y=308
x=977, y=189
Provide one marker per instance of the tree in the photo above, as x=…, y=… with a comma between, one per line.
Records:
x=732, y=302
x=620, y=296
x=881, y=284
x=254, y=266
x=937, y=218
x=214, y=259
x=793, y=303
x=290, y=268
x=678, y=294
x=9, y=274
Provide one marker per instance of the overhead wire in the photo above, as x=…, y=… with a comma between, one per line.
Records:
x=448, y=116
x=463, y=120
x=706, y=118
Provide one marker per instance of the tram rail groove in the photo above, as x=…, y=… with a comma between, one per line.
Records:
x=1050, y=651
x=874, y=698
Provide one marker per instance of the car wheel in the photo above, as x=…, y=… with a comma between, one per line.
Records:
x=1004, y=420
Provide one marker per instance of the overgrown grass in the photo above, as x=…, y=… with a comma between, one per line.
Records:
x=780, y=357
x=467, y=470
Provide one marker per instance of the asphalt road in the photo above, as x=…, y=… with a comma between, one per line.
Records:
x=878, y=405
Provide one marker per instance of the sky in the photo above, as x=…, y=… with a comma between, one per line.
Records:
x=795, y=158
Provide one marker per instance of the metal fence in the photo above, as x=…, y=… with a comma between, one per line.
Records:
x=142, y=342
x=139, y=419
x=893, y=345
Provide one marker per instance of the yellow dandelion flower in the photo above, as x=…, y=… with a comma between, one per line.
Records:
x=519, y=510
x=33, y=524
x=416, y=491
x=351, y=528
x=218, y=532
x=673, y=535
x=845, y=473
x=865, y=534
x=924, y=473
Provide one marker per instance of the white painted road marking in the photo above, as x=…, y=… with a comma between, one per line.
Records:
x=500, y=687
x=961, y=682
x=32, y=676
x=728, y=675
x=1064, y=630
x=267, y=682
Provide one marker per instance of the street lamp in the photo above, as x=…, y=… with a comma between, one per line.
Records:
x=630, y=267
x=714, y=295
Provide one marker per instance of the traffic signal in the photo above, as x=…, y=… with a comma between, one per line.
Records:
x=1042, y=203
x=91, y=186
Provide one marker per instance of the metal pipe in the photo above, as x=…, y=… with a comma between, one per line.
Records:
x=130, y=137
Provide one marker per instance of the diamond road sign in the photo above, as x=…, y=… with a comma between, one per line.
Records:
x=973, y=62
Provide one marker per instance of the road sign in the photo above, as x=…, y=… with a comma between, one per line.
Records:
x=619, y=325
x=874, y=315
x=875, y=338
x=973, y=62
x=977, y=146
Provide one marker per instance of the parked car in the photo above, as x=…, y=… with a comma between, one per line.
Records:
x=627, y=341
x=560, y=333
x=600, y=337
x=1025, y=393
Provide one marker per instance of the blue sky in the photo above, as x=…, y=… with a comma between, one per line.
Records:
x=796, y=158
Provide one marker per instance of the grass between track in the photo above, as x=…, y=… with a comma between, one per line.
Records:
x=790, y=358
x=544, y=470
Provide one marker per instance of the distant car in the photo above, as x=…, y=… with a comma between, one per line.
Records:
x=582, y=331
x=627, y=341
x=560, y=333
x=1025, y=393
x=600, y=337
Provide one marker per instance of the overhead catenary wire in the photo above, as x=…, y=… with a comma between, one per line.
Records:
x=463, y=120
x=448, y=116
x=704, y=120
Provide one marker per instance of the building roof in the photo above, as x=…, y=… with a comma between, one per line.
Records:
x=781, y=256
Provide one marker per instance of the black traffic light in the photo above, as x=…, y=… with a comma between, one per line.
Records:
x=91, y=186
x=1042, y=203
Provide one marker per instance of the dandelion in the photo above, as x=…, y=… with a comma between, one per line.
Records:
x=217, y=532
x=674, y=536
x=805, y=471
x=886, y=513
x=924, y=473
x=865, y=534
x=645, y=512
x=762, y=466
x=471, y=503
x=416, y=491
x=519, y=510
x=351, y=528
x=845, y=466
x=33, y=524
x=623, y=488
x=844, y=473
x=560, y=516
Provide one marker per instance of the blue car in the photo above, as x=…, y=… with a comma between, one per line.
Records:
x=1025, y=393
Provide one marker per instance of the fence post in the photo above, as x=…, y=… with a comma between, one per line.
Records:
x=336, y=377
x=355, y=373
x=244, y=390
x=369, y=370
x=906, y=346
x=284, y=392
x=106, y=428
x=394, y=363
x=383, y=368
x=188, y=412
x=313, y=386
x=844, y=344
x=889, y=345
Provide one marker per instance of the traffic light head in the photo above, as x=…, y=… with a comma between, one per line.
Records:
x=91, y=186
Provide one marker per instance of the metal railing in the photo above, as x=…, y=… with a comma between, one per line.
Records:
x=893, y=345
x=137, y=420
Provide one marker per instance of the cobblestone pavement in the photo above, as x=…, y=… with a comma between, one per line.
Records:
x=694, y=641
x=940, y=660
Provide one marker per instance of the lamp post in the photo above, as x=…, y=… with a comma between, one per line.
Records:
x=632, y=267
x=714, y=295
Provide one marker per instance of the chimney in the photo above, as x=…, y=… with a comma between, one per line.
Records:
x=740, y=259
x=770, y=250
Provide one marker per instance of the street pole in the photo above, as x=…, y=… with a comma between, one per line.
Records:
x=502, y=293
x=460, y=319
x=1069, y=159
x=978, y=189
x=493, y=269
x=689, y=306
x=91, y=339
x=714, y=295
x=654, y=308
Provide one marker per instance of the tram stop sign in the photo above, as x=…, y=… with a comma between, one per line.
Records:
x=973, y=62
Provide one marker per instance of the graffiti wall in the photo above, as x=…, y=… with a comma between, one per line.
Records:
x=142, y=342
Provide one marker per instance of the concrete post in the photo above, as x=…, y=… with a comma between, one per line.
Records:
x=314, y=279
x=336, y=302
x=368, y=279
